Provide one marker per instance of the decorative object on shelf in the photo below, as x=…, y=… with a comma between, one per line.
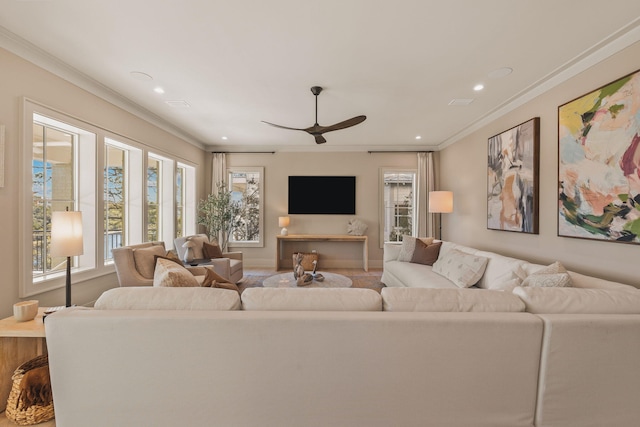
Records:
x=440, y=202
x=356, y=227
x=25, y=310
x=188, y=253
x=283, y=221
x=298, y=269
x=598, y=163
x=66, y=240
x=512, y=178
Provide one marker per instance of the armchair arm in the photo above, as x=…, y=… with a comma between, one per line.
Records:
x=222, y=266
x=233, y=255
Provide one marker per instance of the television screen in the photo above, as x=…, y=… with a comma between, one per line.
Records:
x=329, y=195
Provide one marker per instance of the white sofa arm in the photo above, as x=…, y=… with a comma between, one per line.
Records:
x=391, y=251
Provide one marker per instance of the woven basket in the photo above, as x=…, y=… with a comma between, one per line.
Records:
x=34, y=414
x=307, y=260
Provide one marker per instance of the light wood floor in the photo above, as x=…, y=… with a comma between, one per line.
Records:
x=372, y=275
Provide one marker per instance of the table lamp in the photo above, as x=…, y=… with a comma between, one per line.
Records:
x=440, y=202
x=283, y=221
x=66, y=240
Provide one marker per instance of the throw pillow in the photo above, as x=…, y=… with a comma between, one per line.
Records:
x=214, y=280
x=552, y=276
x=171, y=274
x=463, y=269
x=168, y=257
x=409, y=245
x=145, y=259
x=424, y=253
x=210, y=251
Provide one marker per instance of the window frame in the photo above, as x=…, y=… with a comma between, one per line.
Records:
x=90, y=185
x=382, y=212
x=260, y=171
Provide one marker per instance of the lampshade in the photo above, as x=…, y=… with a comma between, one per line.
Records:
x=441, y=201
x=189, y=244
x=66, y=234
x=283, y=221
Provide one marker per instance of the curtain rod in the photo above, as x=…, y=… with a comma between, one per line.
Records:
x=243, y=152
x=390, y=151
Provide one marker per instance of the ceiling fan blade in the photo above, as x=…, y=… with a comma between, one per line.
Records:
x=343, y=125
x=281, y=127
x=319, y=139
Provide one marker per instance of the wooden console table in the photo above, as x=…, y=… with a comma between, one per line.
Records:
x=324, y=238
x=19, y=343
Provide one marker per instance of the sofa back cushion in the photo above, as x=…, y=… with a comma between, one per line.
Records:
x=311, y=299
x=502, y=273
x=449, y=300
x=145, y=259
x=579, y=300
x=154, y=298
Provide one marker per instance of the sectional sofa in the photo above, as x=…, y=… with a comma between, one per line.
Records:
x=408, y=356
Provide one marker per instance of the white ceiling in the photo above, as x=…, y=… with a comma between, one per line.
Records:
x=238, y=62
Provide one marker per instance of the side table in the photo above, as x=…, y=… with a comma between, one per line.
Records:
x=19, y=342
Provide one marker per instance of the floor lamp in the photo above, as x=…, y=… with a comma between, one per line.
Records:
x=66, y=240
x=440, y=202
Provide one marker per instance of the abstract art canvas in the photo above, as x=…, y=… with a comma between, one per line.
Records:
x=512, y=180
x=599, y=163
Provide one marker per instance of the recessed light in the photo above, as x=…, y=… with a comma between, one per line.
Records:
x=500, y=72
x=158, y=89
x=418, y=137
x=478, y=87
x=139, y=75
x=224, y=138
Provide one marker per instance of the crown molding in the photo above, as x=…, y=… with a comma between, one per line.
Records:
x=311, y=147
x=606, y=48
x=41, y=58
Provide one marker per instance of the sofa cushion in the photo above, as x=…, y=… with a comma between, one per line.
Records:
x=170, y=274
x=461, y=268
x=449, y=300
x=502, y=273
x=553, y=275
x=311, y=299
x=397, y=273
x=162, y=298
x=426, y=254
x=579, y=300
x=211, y=250
x=408, y=247
x=145, y=259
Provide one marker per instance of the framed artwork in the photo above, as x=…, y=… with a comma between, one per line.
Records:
x=512, y=178
x=599, y=163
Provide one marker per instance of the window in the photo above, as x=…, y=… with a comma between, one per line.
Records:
x=246, y=186
x=154, y=192
x=398, y=216
x=126, y=194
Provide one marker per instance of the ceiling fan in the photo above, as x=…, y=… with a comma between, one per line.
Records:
x=316, y=130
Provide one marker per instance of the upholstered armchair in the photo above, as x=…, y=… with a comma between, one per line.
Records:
x=135, y=264
x=229, y=266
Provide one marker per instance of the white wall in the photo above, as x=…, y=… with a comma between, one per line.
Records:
x=20, y=78
x=463, y=169
x=365, y=167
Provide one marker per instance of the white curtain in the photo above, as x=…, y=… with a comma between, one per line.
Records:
x=425, y=182
x=218, y=171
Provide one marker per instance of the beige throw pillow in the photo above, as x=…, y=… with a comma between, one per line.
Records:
x=552, y=276
x=461, y=268
x=145, y=259
x=170, y=274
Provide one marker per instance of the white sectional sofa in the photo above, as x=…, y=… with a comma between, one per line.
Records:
x=409, y=356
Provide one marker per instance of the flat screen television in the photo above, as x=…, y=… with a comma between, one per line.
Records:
x=326, y=195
